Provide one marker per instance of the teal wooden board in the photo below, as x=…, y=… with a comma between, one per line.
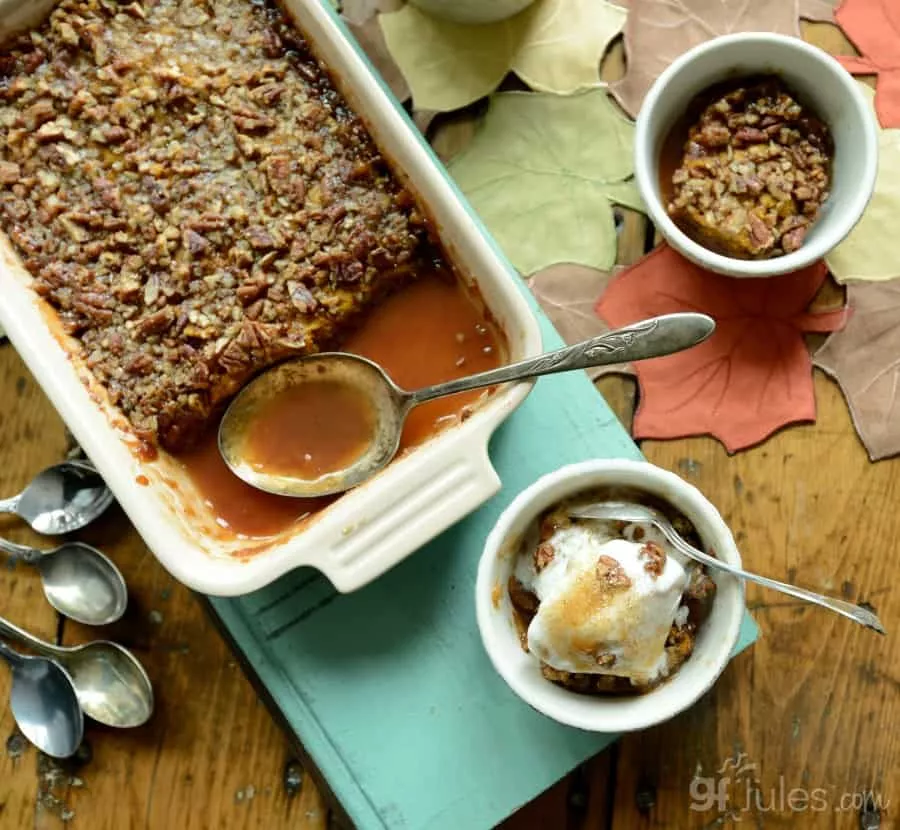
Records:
x=389, y=689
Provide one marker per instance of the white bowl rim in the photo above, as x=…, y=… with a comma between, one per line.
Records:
x=850, y=212
x=604, y=716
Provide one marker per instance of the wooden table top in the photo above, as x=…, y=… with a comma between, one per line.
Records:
x=808, y=712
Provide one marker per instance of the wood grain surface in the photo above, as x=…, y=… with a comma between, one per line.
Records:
x=802, y=724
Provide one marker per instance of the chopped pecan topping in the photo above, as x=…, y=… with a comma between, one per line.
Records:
x=754, y=162
x=191, y=202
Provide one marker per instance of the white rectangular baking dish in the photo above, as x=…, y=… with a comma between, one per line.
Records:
x=370, y=529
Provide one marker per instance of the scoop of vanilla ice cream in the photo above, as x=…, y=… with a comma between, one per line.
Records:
x=607, y=603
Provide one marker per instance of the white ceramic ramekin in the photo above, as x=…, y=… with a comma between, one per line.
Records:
x=820, y=82
x=370, y=529
x=615, y=713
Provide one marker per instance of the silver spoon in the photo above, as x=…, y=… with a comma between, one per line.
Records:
x=44, y=704
x=78, y=580
x=110, y=683
x=61, y=499
x=639, y=513
x=18, y=16
x=650, y=338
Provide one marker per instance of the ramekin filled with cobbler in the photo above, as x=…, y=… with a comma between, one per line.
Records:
x=599, y=623
x=755, y=154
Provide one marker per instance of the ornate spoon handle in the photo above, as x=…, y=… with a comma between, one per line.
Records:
x=655, y=337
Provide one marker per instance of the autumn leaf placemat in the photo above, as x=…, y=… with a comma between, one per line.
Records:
x=549, y=166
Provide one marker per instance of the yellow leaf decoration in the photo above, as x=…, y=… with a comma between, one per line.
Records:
x=553, y=45
x=869, y=253
x=449, y=65
x=565, y=42
x=544, y=171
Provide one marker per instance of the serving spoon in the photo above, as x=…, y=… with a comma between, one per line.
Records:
x=60, y=499
x=78, y=580
x=641, y=514
x=18, y=16
x=44, y=704
x=110, y=683
x=655, y=337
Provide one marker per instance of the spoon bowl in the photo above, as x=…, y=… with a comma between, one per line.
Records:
x=83, y=584
x=110, y=684
x=44, y=704
x=61, y=499
x=78, y=580
x=389, y=405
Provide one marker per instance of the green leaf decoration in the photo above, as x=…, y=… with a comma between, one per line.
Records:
x=544, y=171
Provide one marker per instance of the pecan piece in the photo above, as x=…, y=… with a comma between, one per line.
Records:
x=260, y=238
x=793, y=240
x=268, y=94
x=156, y=322
x=255, y=123
x=39, y=113
x=302, y=297
x=713, y=135
x=701, y=587
x=251, y=291
x=761, y=234
x=9, y=172
x=543, y=556
x=234, y=358
x=51, y=131
x=611, y=572
x=195, y=243
x=750, y=135
x=114, y=134
x=32, y=61
x=654, y=558
x=208, y=222
x=523, y=599
x=139, y=364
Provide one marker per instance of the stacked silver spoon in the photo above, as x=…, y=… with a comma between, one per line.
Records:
x=53, y=692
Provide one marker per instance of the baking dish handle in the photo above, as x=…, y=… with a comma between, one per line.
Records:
x=436, y=491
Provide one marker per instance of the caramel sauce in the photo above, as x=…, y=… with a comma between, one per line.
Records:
x=238, y=507
x=310, y=430
x=671, y=154
x=429, y=332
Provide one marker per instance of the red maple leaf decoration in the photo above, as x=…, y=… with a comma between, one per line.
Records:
x=873, y=26
x=753, y=376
